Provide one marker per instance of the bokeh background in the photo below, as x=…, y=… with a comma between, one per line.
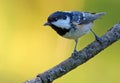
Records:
x=28, y=48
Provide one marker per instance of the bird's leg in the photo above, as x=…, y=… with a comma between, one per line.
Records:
x=96, y=37
x=75, y=51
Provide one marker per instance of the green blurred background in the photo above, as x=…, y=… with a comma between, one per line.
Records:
x=28, y=48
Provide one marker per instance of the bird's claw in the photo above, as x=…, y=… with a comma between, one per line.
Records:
x=75, y=53
x=100, y=40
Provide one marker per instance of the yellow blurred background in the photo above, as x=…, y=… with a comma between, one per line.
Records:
x=28, y=48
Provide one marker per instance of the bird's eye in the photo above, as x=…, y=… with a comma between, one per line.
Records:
x=64, y=17
x=56, y=19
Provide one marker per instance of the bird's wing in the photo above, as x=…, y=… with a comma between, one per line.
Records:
x=79, y=18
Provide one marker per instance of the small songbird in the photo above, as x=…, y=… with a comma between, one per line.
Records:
x=73, y=24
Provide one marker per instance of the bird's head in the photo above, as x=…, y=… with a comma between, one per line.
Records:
x=59, y=19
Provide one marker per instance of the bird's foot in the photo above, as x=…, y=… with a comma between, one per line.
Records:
x=75, y=53
x=100, y=40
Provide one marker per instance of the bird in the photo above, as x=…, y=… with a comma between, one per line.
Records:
x=73, y=24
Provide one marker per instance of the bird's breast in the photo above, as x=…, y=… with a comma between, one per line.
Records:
x=78, y=31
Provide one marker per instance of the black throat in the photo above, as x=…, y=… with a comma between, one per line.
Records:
x=59, y=30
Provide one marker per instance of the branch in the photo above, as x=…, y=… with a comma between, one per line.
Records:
x=74, y=61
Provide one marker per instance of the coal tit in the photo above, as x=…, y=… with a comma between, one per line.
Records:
x=73, y=24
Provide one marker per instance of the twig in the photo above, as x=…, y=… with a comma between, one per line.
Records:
x=74, y=61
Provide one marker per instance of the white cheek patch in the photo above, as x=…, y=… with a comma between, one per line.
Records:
x=64, y=24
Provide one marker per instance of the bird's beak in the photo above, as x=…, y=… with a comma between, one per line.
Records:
x=47, y=24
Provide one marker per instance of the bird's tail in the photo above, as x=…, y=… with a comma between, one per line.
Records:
x=98, y=15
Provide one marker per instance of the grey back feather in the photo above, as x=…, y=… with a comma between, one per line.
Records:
x=85, y=17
